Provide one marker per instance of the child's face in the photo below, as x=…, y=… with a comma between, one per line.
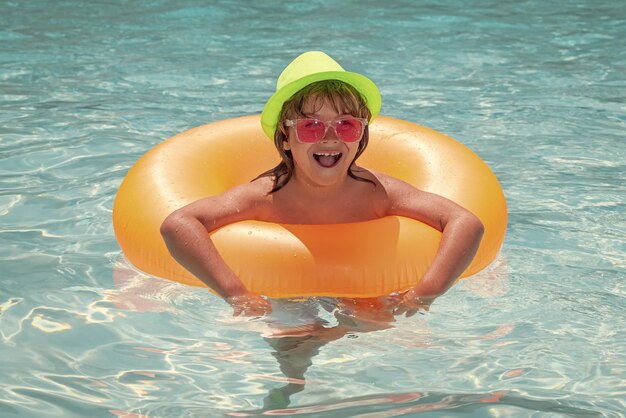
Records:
x=326, y=162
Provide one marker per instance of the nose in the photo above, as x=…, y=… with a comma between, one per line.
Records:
x=330, y=134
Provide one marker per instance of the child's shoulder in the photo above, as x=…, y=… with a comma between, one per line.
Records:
x=389, y=193
x=391, y=184
x=255, y=191
x=249, y=198
x=398, y=193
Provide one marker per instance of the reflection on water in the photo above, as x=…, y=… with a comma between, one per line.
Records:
x=296, y=331
x=535, y=88
x=501, y=403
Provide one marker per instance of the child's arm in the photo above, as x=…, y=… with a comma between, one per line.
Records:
x=461, y=235
x=185, y=232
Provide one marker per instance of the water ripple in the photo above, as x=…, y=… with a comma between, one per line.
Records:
x=535, y=89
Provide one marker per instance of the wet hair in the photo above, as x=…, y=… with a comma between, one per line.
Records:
x=344, y=99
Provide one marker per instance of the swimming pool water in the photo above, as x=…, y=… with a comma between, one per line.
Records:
x=537, y=89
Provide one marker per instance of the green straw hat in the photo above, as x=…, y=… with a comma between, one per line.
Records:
x=308, y=68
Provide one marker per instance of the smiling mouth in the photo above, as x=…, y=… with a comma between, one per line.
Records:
x=327, y=159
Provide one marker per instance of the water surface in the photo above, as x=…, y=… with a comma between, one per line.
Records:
x=536, y=89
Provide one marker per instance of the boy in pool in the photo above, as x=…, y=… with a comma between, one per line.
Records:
x=318, y=118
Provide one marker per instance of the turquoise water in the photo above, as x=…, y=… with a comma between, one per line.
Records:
x=537, y=89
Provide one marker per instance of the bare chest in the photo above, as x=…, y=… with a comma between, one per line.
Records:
x=352, y=206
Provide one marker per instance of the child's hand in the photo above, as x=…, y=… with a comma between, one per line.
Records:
x=249, y=304
x=411, y=303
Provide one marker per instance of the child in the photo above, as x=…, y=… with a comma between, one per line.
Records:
x=318, y=118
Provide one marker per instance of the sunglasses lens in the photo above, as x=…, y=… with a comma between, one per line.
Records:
x=349, y=129
x=313, y=130
x=310, y=130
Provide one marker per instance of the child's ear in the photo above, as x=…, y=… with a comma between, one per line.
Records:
x=286, y=145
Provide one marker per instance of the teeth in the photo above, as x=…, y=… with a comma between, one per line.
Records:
x=328, y=154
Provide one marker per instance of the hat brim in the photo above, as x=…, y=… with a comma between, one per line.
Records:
x=273, y=107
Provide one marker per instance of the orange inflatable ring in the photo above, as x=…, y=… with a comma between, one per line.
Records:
x=362, y=259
